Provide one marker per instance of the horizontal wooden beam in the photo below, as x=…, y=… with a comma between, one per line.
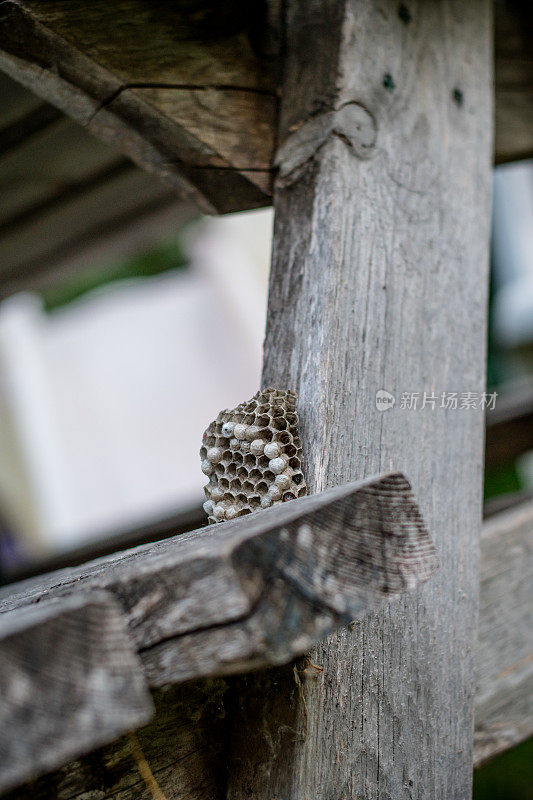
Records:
x=504, y=694
x=193, y=97
x=70, y=681
x=261, y=589
x=513, y=75
x=183, y=742
x=509, y=428
x=184, y=94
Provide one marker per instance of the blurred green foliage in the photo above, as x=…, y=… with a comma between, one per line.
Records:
x=508, y=777
x=164, y=256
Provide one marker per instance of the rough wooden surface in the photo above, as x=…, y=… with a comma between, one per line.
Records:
x=258, y=590
x=504, y=692
x=190, y=91
x=183, y=746
x=179, y=89
x=379, y=281
x=186, y=743
x=70, y=681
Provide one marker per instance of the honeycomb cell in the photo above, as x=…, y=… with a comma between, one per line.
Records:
x=252, y=456
x=257, y=447
x=274, y=492
x=273, y=449
x=240, y=431
x=214, y=455
x=227, y=429
x=216, y=494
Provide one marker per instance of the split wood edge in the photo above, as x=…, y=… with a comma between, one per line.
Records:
x=250, y=593
x=260, y=589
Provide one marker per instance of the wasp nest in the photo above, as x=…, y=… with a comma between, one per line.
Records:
x=252, y=456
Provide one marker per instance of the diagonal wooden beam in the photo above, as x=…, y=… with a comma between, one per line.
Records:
x=70, y=681
x=182, y=92
x=258, y=590
x=184, y=743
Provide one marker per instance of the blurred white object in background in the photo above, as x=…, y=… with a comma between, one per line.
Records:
x=512, y=251
x=103, y=402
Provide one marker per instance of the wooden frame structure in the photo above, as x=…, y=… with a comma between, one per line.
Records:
x=370, y=125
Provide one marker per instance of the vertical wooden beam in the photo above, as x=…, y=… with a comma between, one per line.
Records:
x=379, y=281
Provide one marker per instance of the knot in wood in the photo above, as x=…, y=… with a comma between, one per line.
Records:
x=352, y=123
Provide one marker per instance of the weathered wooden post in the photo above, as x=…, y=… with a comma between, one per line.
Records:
x=379, y=281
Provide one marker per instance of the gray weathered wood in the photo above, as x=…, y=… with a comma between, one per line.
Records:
x=504, y=659
x=188, y=762
x=184, y=743
x=378, y=281
x=182, y=92
x=183, y=746
x=260, y=589
x=70, y=681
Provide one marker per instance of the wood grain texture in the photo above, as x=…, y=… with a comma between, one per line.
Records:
x=504, y=672
x=183, y=746
x=378, y=281
x=70, y=681
x=261, y=589
x=179, y=89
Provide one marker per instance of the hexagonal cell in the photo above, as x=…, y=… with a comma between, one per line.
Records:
x=279, y=424
x=242, y=478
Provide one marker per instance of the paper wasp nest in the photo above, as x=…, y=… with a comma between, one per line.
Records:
x=252, y=456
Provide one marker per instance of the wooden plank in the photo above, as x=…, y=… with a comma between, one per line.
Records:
x=70, y=681
x=504, y=661
x=47, y=164
x=378, y=281
x=509, y=427
x=36, y=241
x=183, y=747
x=183, y=94
x=260, y=589
x=513, y=47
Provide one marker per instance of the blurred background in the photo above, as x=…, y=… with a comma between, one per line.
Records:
x=127, y=322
